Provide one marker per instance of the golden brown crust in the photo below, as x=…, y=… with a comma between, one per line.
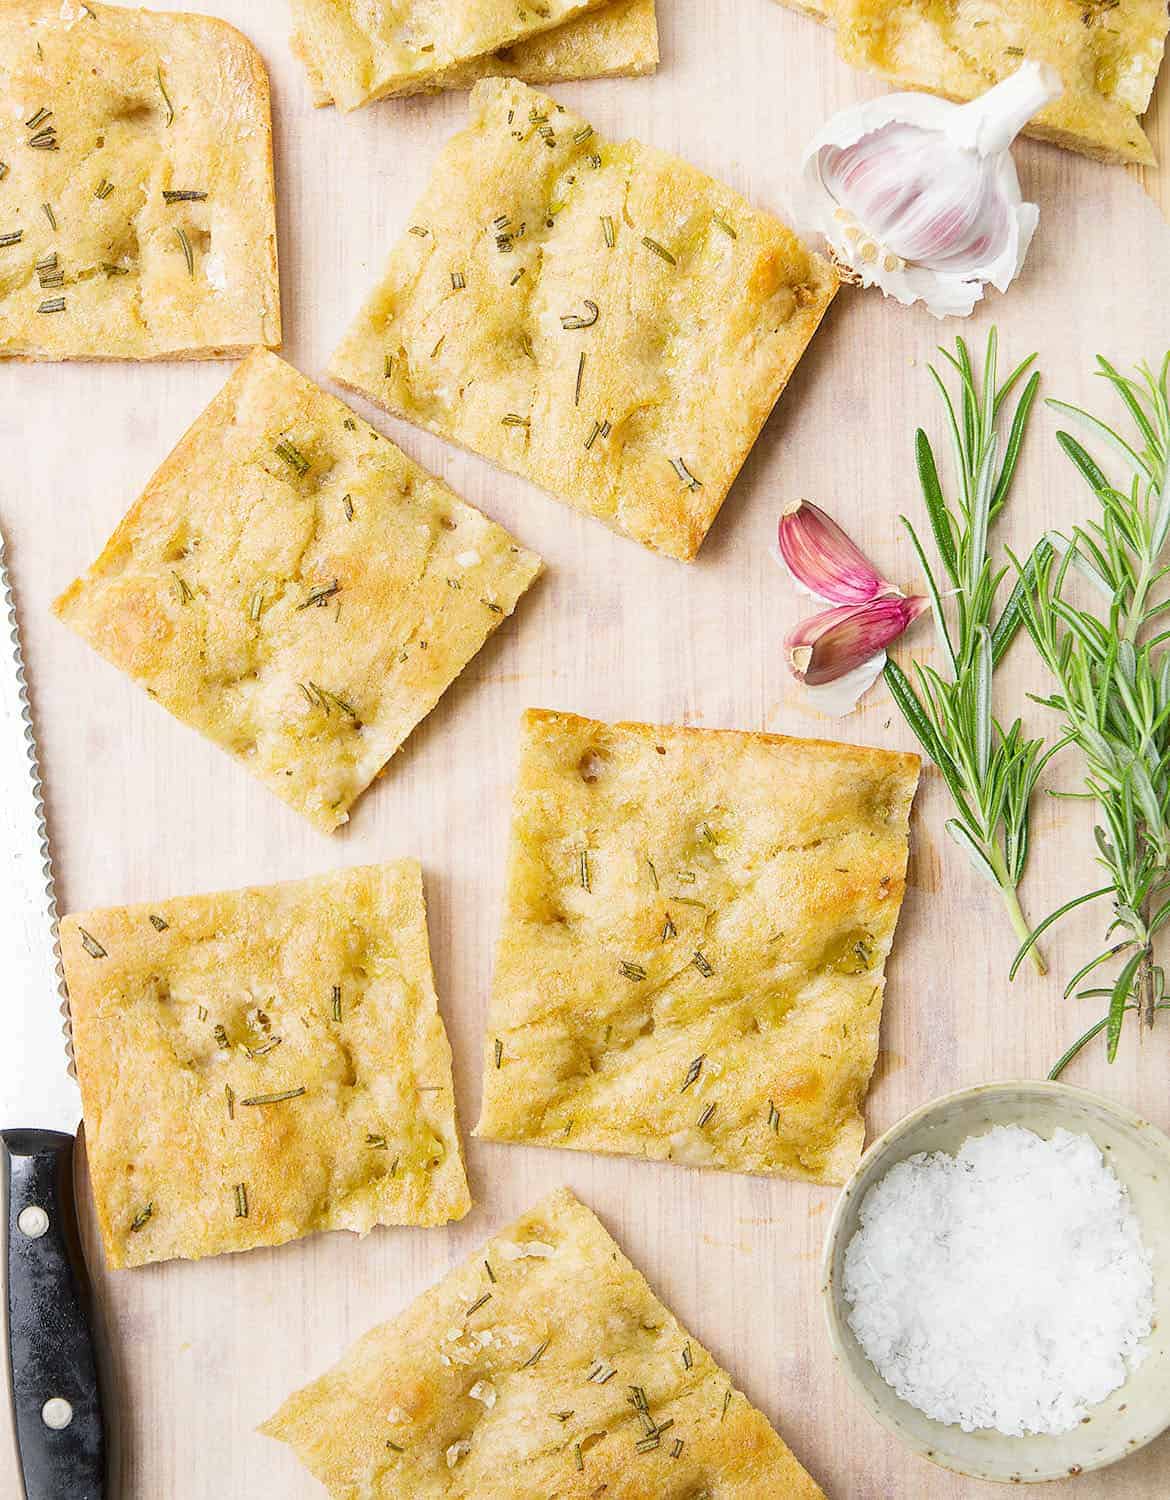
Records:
x=629, y=379
x=363, y=50
x=692, y=958
x=484, y=1387
x=294, y=587
x=260, y=1064
x=1107, y=52
x=620, y=40
x=130, y=105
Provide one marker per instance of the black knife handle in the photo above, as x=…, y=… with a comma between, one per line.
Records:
x=55, y=1389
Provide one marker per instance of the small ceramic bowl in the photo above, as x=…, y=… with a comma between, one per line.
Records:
x=1140, y=1155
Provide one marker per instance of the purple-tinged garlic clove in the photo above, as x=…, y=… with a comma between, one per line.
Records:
x=920, y=196
x=838, y=641
x=823, y=561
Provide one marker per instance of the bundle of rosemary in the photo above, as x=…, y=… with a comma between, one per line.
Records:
x=1111, y=666
x=990, y=772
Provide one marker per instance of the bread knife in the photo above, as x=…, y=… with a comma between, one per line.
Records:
x=56, y=1399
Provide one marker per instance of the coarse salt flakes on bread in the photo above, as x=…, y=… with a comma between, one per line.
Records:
x=1107, y=53
x=260, y=1064
x=137, y=208
x=294, y=587
x=695, y=933
x=619, y=40
x=544, y=1366
x=597, y=316
x=361, y=50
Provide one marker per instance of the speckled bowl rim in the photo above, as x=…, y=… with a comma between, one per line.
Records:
x=834, y=1317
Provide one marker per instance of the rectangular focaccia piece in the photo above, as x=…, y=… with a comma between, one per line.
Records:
x=137, y=208
x=620, y=40
x=544, y=1366
x=258, y=1065
x=695, y=932
x=1107, y=53
x=600, y=318
x=294, y=587
x=362, y=50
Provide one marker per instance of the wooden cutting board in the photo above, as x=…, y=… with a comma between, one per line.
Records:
x=141, y=808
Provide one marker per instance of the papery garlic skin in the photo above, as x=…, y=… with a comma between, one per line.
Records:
x=838, y=641
x=840, y=697
x=920, y=196
x=823, y=561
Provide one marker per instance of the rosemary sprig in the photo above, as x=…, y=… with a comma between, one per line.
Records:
x=990, y=772
x=1111, y=666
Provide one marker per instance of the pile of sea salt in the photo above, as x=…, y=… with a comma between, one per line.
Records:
x=1004, y=1287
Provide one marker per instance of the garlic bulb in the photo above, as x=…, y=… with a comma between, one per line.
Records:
x=920, y=196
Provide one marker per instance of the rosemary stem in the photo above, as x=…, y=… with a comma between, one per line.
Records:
x=1020, y=924
x=1011, y=901
x=1145, y=989
x=1137, y=608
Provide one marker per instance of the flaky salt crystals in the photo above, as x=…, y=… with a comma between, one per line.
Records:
x=1005, y=1287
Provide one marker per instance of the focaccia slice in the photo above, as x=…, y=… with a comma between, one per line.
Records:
x=544, y=1366
x=695, y=932
x=1107, y=52
x=257, y=1065
x=601, y=318
x=362, y=50
x=137, y=209
x=620, y=40
x=294, y=587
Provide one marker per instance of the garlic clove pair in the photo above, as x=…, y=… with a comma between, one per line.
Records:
x=838, y=653
x=920, y=196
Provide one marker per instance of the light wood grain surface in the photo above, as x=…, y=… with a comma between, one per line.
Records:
x=142, y=808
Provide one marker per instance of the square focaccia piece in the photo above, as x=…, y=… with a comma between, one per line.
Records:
x=618, y=41
x=601, y=318
x=362, y=50
x=695, y=934
x=1107, y=53
x=257, y=1065
x=137, y=209
x=484, y=1387
x=294, y=587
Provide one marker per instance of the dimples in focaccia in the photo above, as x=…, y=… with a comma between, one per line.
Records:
x=695, y=933
x=1107, y=53
x=597, y=316
x=620, y=40
x=137, y=209
x=483, y=1389
x=261, y=1064
x=294, y=587
x=362, y=50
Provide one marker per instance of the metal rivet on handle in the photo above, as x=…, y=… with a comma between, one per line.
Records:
x=33, y=1221
x=56, y=1413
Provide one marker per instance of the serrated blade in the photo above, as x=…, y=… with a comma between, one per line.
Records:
x=36, y=1089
